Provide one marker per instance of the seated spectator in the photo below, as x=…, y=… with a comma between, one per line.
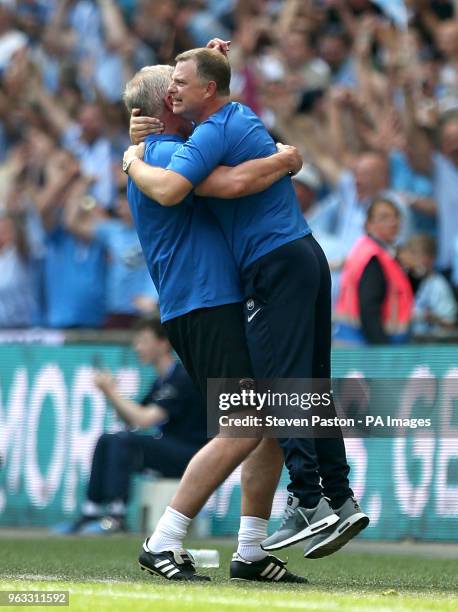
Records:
x=172, y=406
x=375, y=301
x=128, y=282
x=435, y=305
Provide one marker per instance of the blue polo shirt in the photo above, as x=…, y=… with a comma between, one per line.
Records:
x=253, y=225
x=74, y=281
x=187, y=256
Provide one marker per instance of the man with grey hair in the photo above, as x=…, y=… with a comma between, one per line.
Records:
x=286, y=283
x=200, y=303
x=148, y=88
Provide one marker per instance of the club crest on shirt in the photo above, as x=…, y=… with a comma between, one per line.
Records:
x=250, y=304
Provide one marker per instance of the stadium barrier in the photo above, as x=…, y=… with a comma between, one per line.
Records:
x=51, y=416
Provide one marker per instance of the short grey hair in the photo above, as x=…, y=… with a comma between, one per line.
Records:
x=147, y=90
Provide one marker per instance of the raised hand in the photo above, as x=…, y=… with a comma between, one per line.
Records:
x=220, y=45
x=104, y=380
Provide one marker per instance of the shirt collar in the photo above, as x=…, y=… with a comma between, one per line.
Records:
x=157, y=137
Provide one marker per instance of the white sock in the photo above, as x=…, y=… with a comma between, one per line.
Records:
x=252, y=532
x=90, y=508
x=170, y=531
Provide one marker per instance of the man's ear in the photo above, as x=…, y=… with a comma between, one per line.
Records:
x=168, y=102
x=211, y=89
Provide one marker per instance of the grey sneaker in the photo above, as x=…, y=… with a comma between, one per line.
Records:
x=351, y=521
x=300, y=523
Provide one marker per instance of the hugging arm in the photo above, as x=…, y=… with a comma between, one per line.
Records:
x=170, y=188
x=250, y=177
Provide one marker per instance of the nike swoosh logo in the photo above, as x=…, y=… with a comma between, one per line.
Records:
x=252, y=316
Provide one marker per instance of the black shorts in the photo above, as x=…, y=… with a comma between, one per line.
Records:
x=288, y=311
x=211, y=343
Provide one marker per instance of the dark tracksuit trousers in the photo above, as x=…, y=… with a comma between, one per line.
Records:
x=118, y=455
x=290, y=337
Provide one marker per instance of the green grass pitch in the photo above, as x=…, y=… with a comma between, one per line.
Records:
x=102, y=575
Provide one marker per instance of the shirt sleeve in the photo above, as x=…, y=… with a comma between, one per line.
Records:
x=174, y=395
x=201, y=153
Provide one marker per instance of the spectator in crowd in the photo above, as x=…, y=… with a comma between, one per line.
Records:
x=307, y=184
x=74, y=270
x=375, y=300
x=175, y=410
x=334, y=48
x=304, y=71
x=342, y=215
x=129, y=288
x=17, y=298
x=442, y=164
x=86, y=141
x=339, y=221
x=446, y=35
x=435, y=304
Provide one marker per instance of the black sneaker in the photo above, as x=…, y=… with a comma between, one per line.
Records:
x=170, y=564
x=270, y=569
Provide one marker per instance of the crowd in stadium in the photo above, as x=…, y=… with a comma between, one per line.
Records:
x=372, y=107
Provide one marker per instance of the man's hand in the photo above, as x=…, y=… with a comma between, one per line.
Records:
x=104, y=380
x=294, y=157
x=223, y=46
x=141, y=127
x=134, y=151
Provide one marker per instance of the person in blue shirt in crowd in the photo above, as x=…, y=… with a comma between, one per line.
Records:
x=128, y=282
x=200, y=304
x=17, y=297
x=286, y=284
x=74, y=270
x=171, y=419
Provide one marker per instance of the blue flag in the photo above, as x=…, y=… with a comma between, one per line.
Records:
x=396, y=10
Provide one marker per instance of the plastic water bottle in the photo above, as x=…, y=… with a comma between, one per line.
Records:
x=205, y=557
